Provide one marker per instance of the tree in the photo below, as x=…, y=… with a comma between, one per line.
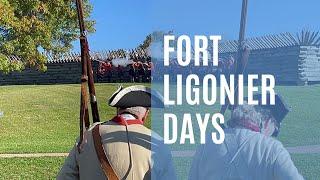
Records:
x=29, y=28
x=156, y=36
x=146, y=43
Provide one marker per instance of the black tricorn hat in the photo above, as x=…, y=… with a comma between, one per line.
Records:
x=137, y=95
x=279, y=110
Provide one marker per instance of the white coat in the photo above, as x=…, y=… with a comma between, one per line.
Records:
x=244, y=155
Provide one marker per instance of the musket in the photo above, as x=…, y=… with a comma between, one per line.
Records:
x=242, y=55
x=86, y=80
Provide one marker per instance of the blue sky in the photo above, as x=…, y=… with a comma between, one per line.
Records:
x=125, y=23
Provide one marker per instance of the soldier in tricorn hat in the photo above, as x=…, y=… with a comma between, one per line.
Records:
x=121, y=148
x=248, y=151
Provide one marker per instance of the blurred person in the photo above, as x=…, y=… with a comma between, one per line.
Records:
x=132, y=73
x=105, y=70
x=120, y=74
x=248, y=151
x=150, y=69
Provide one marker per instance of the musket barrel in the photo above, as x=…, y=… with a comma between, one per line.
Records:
x=92, y=91
x=240, y=59
x=86, y=79
x=80, y=16
x=243, y=21
x=239, y=68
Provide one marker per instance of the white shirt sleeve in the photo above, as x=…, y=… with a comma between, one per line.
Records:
x=162, y=163
x=69, y=170
x=284, y=167
x=169, y=171
x=196, y=162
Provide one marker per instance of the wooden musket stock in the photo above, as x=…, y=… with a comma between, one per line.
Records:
x=86, y=80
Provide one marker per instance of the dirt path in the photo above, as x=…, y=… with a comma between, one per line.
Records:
x=188, y=153
x=304, y=149
x=293, y=150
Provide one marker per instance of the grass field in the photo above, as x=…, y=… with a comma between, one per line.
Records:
x=45, y=119
x=30, y=168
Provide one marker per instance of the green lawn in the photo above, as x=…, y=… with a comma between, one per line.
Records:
x=30, y=168
x=308, y=165
x=301, y=126
x=45, y=119
x=48, y=167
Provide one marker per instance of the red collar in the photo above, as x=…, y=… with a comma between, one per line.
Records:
x=120, y=120
x=249, y=125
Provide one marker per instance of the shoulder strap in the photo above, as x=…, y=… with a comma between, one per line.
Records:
x=104, y=163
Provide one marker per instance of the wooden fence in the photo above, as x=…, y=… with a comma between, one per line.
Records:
x=281, y=55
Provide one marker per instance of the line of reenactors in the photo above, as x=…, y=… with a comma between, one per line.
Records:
x=137, y=71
